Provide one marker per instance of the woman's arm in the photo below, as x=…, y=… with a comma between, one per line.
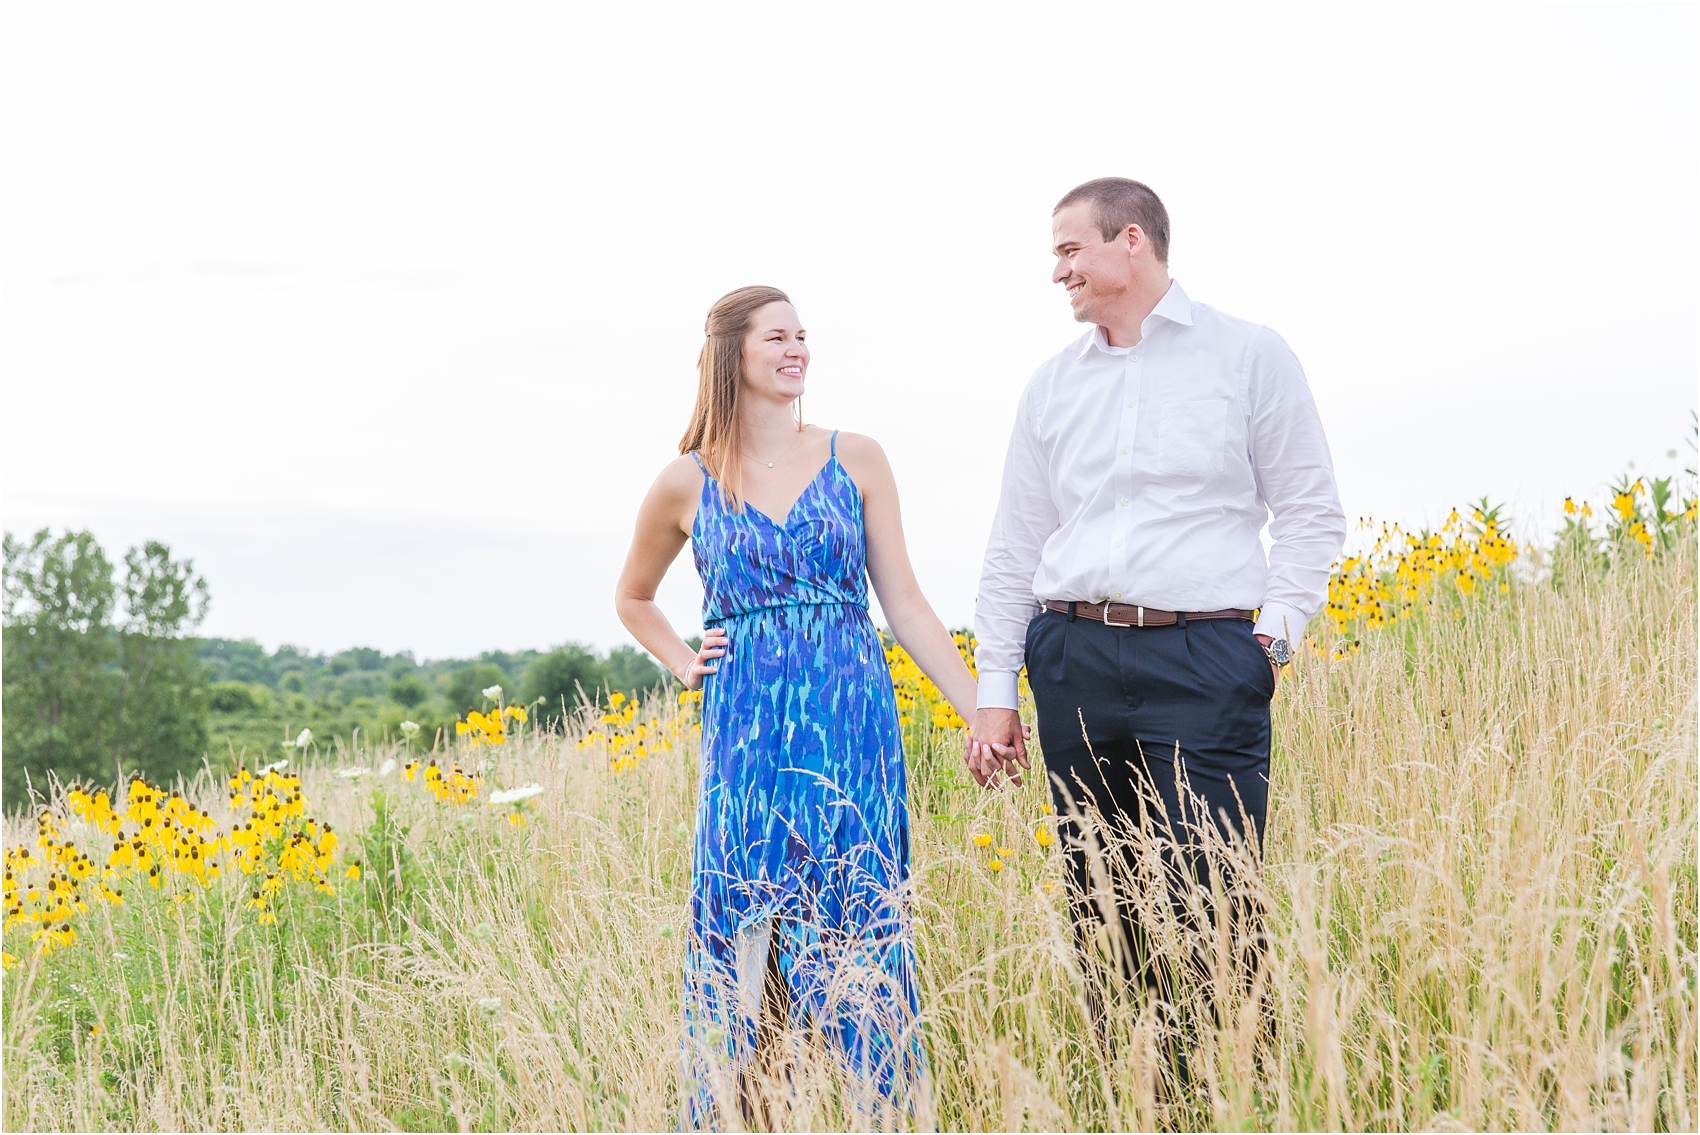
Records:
x=912, y=620
x=663, y=525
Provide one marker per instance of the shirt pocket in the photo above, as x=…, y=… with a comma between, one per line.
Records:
x=1192, y=438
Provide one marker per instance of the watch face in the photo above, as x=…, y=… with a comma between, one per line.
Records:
x=1278, y=652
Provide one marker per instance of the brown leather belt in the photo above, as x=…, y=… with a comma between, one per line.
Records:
x=1130, y=615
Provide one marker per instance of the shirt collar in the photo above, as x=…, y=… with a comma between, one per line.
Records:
x=1175, y=306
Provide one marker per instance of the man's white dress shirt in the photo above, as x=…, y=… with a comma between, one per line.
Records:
x=1144, y=475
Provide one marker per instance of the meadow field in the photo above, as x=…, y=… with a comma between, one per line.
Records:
x=1480, y=873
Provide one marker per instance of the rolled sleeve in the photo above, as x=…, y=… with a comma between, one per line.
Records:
x=999, y=689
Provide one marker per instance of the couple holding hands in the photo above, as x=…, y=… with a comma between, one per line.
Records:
x=1124, y=571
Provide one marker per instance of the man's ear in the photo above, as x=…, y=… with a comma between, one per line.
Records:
x=1134, y=237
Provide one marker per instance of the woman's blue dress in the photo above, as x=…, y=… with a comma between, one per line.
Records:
x=802, y=840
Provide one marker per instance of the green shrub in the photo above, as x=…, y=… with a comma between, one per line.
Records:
x=235, y=697
x=467, y=686
x=408, y=690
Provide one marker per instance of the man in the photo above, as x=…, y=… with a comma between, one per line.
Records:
x=1125, y=565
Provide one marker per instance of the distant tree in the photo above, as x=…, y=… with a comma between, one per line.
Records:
x=632, y=671
x=408, y=690
x=244, y=661
x=556, y=679
x=93, y=687
x=363, y=658
x=467, y=685
x=162, y=711
x=59, y=690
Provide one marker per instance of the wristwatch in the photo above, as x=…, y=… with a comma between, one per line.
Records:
x=1278, y=652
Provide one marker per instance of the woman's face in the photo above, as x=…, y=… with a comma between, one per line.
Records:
x=776, y=359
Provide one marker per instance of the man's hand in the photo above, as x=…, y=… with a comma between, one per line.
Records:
x=1266, y=640
x=997, y=742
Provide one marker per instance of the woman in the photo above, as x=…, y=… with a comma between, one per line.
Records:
x=798, y=915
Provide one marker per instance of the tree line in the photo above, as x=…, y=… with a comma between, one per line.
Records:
x=103, y=675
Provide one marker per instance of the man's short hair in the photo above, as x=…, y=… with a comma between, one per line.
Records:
x=1118, y=202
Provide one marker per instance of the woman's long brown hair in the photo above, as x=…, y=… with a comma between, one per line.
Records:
x=714, y=432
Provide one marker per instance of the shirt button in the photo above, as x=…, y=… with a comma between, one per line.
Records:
x=1124, y=500
x=1133, y=358
x=1124, y=452
x=1117, y=544
x=1117, y=595
x=1130, y=405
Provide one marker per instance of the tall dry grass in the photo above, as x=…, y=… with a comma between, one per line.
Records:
x=1480, y=872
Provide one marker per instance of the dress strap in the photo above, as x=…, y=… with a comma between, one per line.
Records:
x=835, y=445
x=700, y=465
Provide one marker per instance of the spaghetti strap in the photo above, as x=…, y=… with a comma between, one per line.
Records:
x=700, y=465
x=835, y=445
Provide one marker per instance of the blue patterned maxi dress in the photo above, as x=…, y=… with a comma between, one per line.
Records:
x=802, y=839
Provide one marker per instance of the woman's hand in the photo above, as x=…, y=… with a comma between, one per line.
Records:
x=707, y=658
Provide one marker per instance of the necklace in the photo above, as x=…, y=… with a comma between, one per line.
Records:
x=781, y=457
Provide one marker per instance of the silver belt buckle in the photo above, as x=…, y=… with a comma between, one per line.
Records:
x=1109, y=623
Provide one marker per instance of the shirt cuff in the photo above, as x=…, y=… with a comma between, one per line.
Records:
x=1278, y=620
x=999, y=689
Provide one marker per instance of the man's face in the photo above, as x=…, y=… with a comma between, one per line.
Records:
x=1094, y=272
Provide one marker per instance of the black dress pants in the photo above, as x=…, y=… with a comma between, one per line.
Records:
x=1157, y=731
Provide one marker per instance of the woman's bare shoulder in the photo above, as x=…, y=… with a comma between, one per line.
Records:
x=863, y=459
x=859, y=446
x=679, y=481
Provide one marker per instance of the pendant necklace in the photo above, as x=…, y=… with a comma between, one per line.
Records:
x=769, y=464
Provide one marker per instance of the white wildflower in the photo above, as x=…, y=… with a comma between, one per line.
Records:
x=492, y=692
x=303, y=738
x=514, y=795
x=354, y=773
x=410, y=729
x=274, y=766
x=387, y=767
x=491, y=1005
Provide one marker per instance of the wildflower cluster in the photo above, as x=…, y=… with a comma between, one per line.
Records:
x=1401, y=570
x=489, y=728
x=451, y=786
x=49, y=904
x=997, y=858
x=1645, y=515
x=160, y=838
x=270, y=820
x=629, y=739
x=917, y=696
x=170, y=838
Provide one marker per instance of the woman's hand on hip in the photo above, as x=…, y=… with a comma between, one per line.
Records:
x=707, y=660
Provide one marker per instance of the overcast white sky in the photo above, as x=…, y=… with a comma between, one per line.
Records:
x=387, y=315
